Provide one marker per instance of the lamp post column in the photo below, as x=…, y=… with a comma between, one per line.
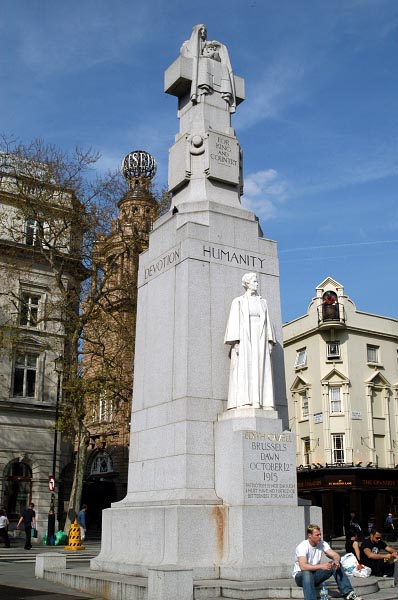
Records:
x=51, y=513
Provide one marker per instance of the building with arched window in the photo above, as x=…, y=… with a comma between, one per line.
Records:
x=36, y=236
x=342, y=388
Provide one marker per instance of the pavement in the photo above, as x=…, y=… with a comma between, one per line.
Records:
x=17, y=572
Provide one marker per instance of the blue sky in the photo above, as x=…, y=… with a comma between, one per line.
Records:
x=319, y=127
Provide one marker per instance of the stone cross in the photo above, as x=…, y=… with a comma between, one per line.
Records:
x=208, y=93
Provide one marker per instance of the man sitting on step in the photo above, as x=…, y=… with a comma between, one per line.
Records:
x=377, y=555
x=308, y=571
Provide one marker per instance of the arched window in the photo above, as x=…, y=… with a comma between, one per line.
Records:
x=330, y=306
x=17, y=491
x=102, y=463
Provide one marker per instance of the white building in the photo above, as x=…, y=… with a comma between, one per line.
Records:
x=33, y=237
x=342, y=388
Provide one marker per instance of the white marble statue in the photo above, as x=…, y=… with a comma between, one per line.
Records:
x=250, y=334
x=211, y=68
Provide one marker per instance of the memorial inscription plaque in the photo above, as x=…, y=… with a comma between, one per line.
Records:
x=269, y=468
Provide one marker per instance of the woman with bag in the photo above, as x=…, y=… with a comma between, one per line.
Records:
x=29, y=519
x=351, y=561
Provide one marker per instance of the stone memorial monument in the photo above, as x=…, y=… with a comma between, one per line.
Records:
x=212, y=479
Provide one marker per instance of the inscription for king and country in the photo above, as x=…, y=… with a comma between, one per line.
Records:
x=223, y=157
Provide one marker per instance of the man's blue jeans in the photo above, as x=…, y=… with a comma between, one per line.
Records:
x=308, y=580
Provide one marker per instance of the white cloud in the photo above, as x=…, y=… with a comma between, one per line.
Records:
x=264, y=192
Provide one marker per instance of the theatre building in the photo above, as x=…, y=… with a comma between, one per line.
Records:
x=342, y=388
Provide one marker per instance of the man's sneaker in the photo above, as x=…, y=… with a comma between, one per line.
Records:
x=353, y=596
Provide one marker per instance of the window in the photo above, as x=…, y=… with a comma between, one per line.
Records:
x=32, y=232
x=101, y=464
x=333, y=350
x=29, y=310
x=105, y=409
x=17, y=490
x=25, y=370
x=338, y=447
x=37, y=233
x=373, y=353
x=304, y=405
x=335, y=399
x=301, y=358
x=307, y=450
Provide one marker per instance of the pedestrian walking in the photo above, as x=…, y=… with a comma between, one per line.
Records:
x=28, y=518
x=389, y=528
x=81, y=519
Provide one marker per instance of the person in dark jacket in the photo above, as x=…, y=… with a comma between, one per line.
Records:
x=28, y=518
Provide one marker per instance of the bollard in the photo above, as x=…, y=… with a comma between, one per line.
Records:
x=74, y=541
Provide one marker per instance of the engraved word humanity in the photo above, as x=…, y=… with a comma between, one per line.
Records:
x=234, y=257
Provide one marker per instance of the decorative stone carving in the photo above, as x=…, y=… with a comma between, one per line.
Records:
x=211, y=67
x=250, y=334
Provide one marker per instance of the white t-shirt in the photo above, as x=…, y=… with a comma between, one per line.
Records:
x=3, y=522
x=313, y=554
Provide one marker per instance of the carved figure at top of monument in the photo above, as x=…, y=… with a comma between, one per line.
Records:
x=250, y=334
x=211, y=68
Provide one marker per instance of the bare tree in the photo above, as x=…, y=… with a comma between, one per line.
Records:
x=61, y=214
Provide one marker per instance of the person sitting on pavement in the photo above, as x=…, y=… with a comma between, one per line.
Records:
x=377, y=555
x=309, y=572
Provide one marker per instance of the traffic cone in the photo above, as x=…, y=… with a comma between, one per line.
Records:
x=74, y=540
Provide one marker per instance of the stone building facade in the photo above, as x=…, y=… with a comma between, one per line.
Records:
x=342, y=387
x=110, y=337
x=33, y=237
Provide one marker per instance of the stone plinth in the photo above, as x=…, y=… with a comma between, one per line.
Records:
x=255, y=460
x=174, y=513
x=49, y=561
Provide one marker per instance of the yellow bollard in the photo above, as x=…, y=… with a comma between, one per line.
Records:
x=74, y=540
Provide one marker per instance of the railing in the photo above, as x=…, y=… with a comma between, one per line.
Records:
x=331, y=313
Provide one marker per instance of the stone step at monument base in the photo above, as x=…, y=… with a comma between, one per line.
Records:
x=112, y=586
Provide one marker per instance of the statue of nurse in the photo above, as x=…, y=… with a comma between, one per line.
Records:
x=250, y=334
x=211, y=68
